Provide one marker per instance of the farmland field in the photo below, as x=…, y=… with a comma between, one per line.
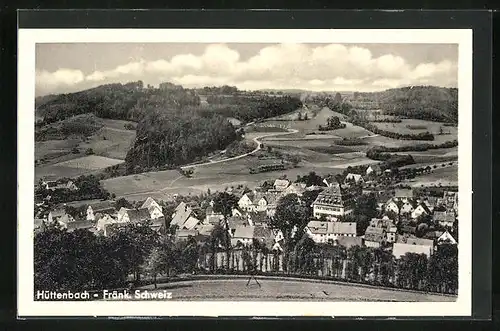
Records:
x=90, y=162
x=414, y=126
x=440, y=176
x=288, y=289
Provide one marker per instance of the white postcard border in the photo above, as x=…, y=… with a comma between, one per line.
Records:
x=27, y=39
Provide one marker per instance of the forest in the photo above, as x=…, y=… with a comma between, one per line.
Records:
x=250, y=108
x=419, y=102
x=129, y=101
x=177, y=137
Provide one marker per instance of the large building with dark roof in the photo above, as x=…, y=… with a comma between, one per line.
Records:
x=333, y=202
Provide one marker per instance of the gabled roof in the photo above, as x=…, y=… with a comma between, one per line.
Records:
x=236, y=221
x=444, y=216
x=375, y=167
x=374, y=234
x=204, y=229
x=190, y=223
x=330, y=196
x=356, y=177
x=138, y=215
x=446, y=237
x=415, y=241
x=183, y=233
x=403, y=193
x=71, y=226
x=150, y=203
x=244, y=232
x=281, y=184
x=102, y=205
x=181, y=214
x=400, y=249
x=424, y=207
x=319, y=227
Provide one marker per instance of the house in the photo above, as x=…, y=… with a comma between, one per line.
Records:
x=103, y=222
x=257, y=218
x=373, y=169
x=324, y=232
x=420, y=210
x=57, y=185
x=126, y=215
x=39, y=225
x=411, y=240
x=237, y=212
x=349, y=242
x=446, y=238
x=55, y=215
x=353, y=178
x=399, y=207
x=390, y=229
x=155, y=210
x=404, y=195
x=450, y=199
x=374, y=237
x=400, y=249
x=235, y=222
x=430, y=202
x=80, y=225
x=246, y=202
x=332, y=202
x=407, y=228
x=444, y=218
x=102, y=207
x=204, y=229
x=243, y=234
x=433, y=235
x=295, y=188
x=212, y=217
x=281, y=184
x=247, y=234
x=184, y=234
x=184, y=217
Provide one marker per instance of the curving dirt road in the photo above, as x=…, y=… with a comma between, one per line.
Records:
x=256, y=140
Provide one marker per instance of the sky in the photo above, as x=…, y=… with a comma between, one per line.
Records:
x=70, y=67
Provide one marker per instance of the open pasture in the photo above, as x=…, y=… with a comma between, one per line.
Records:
x=414, y=126
x=439, y=176
x=90, y=162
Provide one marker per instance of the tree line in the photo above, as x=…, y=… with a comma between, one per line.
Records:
x=89, y=188
x=251, y=108
x=129, y=101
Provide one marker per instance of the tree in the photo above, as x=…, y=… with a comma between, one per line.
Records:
x=290, y=217
x=299, y=116
x=122, y=203
x=306, y=117
x=161, y=259
x=89, y=151
x=224, y=203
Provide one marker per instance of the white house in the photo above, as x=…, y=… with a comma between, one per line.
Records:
x=446, y=238
x=444, y=218
x=281, y=184
x=373, y=169
x=353, y=178
x=155, y=210
x=421, y=210
x=245, y=203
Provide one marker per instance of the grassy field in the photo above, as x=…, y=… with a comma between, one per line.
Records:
x=440, y=176
x=277, y=289
x=90, y=162
x=414, y=126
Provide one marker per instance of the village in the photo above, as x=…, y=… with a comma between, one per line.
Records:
x=357, y=208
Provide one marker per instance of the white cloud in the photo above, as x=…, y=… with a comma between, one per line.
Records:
x=331, y=66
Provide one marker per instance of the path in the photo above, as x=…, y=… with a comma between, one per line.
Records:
x=256, y=140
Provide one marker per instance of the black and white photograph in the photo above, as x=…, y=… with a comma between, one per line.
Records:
x=253, y=172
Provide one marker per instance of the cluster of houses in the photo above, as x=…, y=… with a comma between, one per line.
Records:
x=401, y=216
x=101, y=217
